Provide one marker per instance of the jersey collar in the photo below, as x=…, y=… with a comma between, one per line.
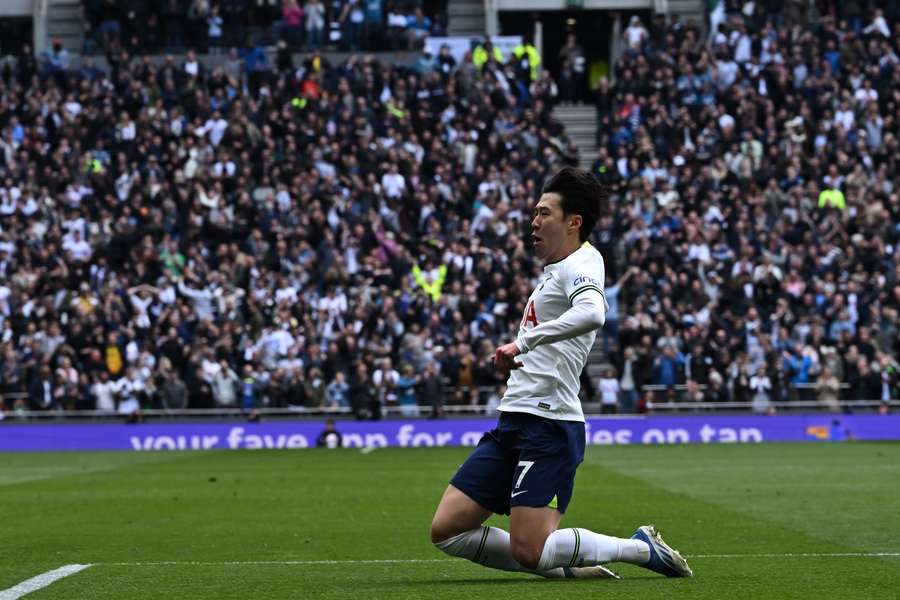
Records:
x=552, y=266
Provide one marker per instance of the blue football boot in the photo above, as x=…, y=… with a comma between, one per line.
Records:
x=663, y=558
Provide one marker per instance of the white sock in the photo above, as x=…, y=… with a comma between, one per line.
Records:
x=580, y=547
x=489, y=546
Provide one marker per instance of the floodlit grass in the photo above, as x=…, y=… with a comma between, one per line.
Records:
x=198, y=511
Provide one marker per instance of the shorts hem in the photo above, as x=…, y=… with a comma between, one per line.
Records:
x=480, y=501
x=561, y=511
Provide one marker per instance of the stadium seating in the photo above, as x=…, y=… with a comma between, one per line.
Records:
x=251, y=232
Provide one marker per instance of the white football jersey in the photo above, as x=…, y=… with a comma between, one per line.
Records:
x=554, y=349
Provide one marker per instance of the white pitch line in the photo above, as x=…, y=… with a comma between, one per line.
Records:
x=803, y=555
x=448, y=560
x=40, y=581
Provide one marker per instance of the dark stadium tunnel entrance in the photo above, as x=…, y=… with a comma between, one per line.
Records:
x=15, y=33
x=593, y=31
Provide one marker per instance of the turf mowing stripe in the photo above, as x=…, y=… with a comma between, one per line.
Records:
x=237, y=563
x=40, y=581
x=448, y=560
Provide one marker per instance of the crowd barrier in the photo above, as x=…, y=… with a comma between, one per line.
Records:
x=296, y=434
x=662, y=403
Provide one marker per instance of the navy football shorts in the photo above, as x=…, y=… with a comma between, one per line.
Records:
x=525, y=461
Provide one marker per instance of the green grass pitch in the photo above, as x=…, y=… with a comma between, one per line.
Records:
x=756, y=521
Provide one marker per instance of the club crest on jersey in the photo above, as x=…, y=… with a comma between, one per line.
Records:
x=530, y=316
x=585, y=279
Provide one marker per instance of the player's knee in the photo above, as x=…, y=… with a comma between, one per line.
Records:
x=527, y=555
x=440, y=531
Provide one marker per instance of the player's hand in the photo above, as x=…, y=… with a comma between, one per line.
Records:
x=505, y=358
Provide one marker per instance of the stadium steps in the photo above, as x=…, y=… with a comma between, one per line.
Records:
x=580, y=122
x=597, y=362
x=465, y=18
x=688, y=10
x=64, y=22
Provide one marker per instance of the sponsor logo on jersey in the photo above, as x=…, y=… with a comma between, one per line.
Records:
x=585, y=279
x=544, y=405
x=530, y=315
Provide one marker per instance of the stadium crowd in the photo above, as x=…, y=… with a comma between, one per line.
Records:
x=757, y=175
x=142, y=26
x=355, y=235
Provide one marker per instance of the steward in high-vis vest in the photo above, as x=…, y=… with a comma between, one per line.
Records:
x=431, y=281
x=528, y=59
x=484, y=52
x=832, y=198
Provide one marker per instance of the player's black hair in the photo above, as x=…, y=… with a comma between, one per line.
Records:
x=580, y=194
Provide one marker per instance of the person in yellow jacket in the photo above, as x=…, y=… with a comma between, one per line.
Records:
x=114, y=359
x=528, y=57
x=832, y=198
x=484, y=52
x=430, y=281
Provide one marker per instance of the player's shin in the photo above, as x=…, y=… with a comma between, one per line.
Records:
x=489, y=546
x=581, y=547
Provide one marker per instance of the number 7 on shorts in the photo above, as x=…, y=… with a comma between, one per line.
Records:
x=526, y=464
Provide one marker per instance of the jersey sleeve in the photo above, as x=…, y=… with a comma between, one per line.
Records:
x=585, y=280
x=583, y=286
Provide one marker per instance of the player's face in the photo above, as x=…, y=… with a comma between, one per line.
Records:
x=548, y=228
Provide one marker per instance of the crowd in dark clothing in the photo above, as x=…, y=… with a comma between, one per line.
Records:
x=356, y=235
x=757, y=179
x=142, y=26
x=252, y=235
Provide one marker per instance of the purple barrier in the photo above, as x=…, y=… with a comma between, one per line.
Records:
x=451, y=432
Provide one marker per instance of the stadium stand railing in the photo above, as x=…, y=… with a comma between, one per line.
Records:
x=425, y=411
